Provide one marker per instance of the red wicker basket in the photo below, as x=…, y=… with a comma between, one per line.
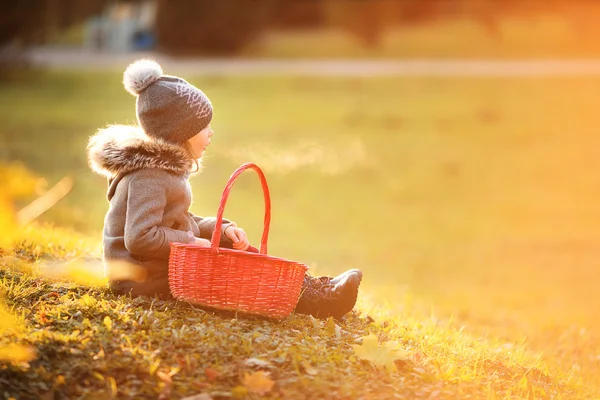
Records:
x=236, y=280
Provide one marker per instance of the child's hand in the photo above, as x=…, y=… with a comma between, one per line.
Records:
x=238, y=237
x=202, y=242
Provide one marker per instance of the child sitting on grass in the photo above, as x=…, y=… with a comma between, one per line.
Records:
x=148, y=168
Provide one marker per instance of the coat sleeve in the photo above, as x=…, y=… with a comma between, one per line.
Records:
x=146, y=202
x=206, y=225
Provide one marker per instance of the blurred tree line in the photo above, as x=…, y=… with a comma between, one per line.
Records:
x=225, y=26
x=34, y=21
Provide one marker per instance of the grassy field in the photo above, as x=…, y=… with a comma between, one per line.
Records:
x=545, y=36
x=470, y=205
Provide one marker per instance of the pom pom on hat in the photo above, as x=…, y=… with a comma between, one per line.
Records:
x=167, y=107
x=141, y=74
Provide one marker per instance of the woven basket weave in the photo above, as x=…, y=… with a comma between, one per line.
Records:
x=236, y=280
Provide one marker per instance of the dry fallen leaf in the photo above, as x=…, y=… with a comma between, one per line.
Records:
x=59, y=380
x=315, y=322
x=99, y=355
x=200, y=396
x=379, y=355
x=239, y=392
x=308, y=368
x=112, y=384
x=332, y=328
x=258, y=382
x=168, y=384
x=211, y=374
x=257, y=363
x=166, y=378
x=200, y=385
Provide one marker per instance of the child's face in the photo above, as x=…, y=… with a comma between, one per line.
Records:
x=200, y=142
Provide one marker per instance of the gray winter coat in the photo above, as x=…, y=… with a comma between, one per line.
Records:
x=149, y=195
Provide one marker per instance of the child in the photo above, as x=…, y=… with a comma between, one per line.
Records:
x=148, y=168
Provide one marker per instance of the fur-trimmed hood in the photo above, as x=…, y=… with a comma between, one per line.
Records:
x=120, y=149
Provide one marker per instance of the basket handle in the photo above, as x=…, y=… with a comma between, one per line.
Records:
x=216, y=237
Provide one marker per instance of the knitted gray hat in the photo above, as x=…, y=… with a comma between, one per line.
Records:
x=168, y=107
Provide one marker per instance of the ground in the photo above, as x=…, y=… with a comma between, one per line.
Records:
x=469, y=203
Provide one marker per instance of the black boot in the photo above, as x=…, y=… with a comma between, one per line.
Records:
x=325, y=297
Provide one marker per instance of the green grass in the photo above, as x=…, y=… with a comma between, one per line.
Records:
x=470, y=205
x=87, y=343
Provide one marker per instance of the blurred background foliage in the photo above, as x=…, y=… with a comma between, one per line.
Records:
x=282, y=27
x=19, y=184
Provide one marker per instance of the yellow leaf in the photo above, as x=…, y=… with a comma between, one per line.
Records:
x=99, y=355
x=163, y=376
x=308, y=368
x=258, y=382
x=17, y=353
x=332, y=328
x=98, y=376
x=7, y=320
x=381, y=356
x=112, y=385
x=239, y=392
x=315, y=322
x=87, y=300
x=108, y=323
x=60, y=380
x=154, y=367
